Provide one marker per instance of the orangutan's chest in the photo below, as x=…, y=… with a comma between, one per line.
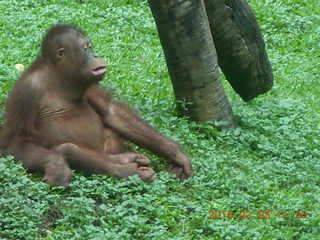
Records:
x=78, y=124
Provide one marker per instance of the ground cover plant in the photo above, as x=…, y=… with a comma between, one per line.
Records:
x=261, y=180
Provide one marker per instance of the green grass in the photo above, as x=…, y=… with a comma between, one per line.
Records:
x=270, y=163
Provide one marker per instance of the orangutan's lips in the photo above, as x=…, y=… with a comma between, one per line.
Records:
x=99, y=70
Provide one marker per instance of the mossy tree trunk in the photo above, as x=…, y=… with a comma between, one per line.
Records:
x=240, y=47
x=191, y=58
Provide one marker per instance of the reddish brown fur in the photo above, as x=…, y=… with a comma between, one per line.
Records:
x=57, y=118
x=19, y=118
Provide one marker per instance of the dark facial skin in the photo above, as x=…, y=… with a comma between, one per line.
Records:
x=78, y=51
x=57, y=118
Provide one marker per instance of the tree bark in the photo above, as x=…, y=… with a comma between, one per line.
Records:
x=240, y=47
x=191, y=59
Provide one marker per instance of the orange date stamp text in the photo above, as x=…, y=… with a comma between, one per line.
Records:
x=258, y=214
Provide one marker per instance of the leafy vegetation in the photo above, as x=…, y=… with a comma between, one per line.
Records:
x=270, y=163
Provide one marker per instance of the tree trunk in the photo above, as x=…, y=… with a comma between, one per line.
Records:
x=240, y=47
x=191, y=59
